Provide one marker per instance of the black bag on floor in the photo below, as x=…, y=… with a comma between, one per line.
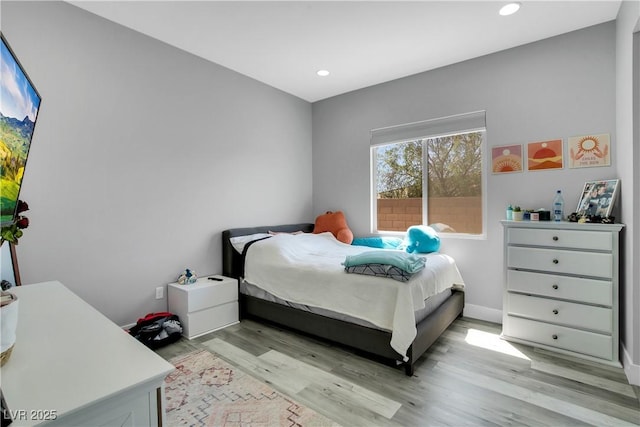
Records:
x=156, y=330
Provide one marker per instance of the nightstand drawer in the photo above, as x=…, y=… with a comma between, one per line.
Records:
x=566, y=313
x=210, y=319
x=577, y=289
x=561, y=261
x=579, y=239
x=588, y=343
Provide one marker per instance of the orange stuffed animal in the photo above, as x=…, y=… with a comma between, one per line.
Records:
x=336, y=223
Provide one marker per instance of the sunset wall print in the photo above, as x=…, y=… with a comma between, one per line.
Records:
x=544, y=155
x=506, y=159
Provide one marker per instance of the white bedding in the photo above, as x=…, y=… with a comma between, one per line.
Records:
x=307, y=269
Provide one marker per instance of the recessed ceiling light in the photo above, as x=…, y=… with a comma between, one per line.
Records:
x=322, y=73
x=509, y=9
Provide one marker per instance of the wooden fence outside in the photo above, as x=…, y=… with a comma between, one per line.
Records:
x=462, y=214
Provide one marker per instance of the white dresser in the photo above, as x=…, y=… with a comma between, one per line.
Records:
x=561, y=287
x=206, y=305
x=71, y=366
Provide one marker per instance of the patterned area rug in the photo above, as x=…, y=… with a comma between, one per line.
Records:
x=204, y=390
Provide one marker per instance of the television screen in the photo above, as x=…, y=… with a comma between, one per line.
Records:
x=19, y=105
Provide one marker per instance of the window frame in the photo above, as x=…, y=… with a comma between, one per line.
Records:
x=425, y=178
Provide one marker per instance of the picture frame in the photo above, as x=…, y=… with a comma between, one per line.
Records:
x=589, y=151
x=506, y=159
x=545, y=155
x=598, y=198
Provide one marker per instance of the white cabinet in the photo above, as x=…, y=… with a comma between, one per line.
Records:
x=71, y=366
x=561, y=287
x=206, y=305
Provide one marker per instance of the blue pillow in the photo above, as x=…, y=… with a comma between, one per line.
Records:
x=422, y=239
x=380, y=242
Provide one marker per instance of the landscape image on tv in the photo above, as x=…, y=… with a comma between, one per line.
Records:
x=19, y=105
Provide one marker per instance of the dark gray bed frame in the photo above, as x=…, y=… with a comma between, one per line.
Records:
x=370, y=340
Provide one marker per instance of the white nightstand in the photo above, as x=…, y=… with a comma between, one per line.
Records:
x=204, y=306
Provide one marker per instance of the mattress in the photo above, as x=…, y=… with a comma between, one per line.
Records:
x=430, y=304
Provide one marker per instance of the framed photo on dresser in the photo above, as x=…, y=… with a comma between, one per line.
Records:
x=598, y=198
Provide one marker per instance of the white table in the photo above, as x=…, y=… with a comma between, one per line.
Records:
x=71, y=366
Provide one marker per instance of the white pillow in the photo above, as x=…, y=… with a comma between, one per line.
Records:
x=239, y=242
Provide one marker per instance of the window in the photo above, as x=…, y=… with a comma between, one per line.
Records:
x=430, y=173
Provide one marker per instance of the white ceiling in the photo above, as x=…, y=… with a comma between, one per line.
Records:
x=361, y=43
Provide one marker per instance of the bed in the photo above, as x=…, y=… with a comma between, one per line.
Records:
x=379, y=336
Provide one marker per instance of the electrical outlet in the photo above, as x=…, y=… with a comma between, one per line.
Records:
x=159, y=292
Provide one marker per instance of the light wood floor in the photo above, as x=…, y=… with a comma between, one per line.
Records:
x=469, y=377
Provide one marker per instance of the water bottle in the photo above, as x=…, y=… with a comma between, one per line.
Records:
x=558, y=207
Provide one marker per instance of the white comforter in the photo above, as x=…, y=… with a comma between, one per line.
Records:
x=307, y=269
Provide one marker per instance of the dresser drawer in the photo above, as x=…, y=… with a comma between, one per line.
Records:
x=566, y=313
x=577, y=289
x=592, y=264
x=588, y=343
x=579, y=239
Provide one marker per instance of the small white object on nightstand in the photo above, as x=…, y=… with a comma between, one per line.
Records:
x=206, y=305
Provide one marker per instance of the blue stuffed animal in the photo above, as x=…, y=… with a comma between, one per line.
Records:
x=422, y=239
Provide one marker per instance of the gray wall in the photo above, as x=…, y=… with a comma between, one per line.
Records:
x=142, y=155
x=555, y=88
x=628, y=160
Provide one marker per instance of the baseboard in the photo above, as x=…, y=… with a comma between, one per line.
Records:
x=631, y=370
x=483, y=313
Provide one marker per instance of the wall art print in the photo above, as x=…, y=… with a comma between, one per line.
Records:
x=545, y=155
x=589, y=151
x=506, y=158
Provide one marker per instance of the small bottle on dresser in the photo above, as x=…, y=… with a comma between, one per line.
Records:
x=558, y=206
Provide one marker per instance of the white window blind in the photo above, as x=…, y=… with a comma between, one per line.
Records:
x=460, y=123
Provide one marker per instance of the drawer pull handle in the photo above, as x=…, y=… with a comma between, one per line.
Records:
x=555, y=311
x=555, y=286
x=555, y=261
x=555, y=238
x=554, y=336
